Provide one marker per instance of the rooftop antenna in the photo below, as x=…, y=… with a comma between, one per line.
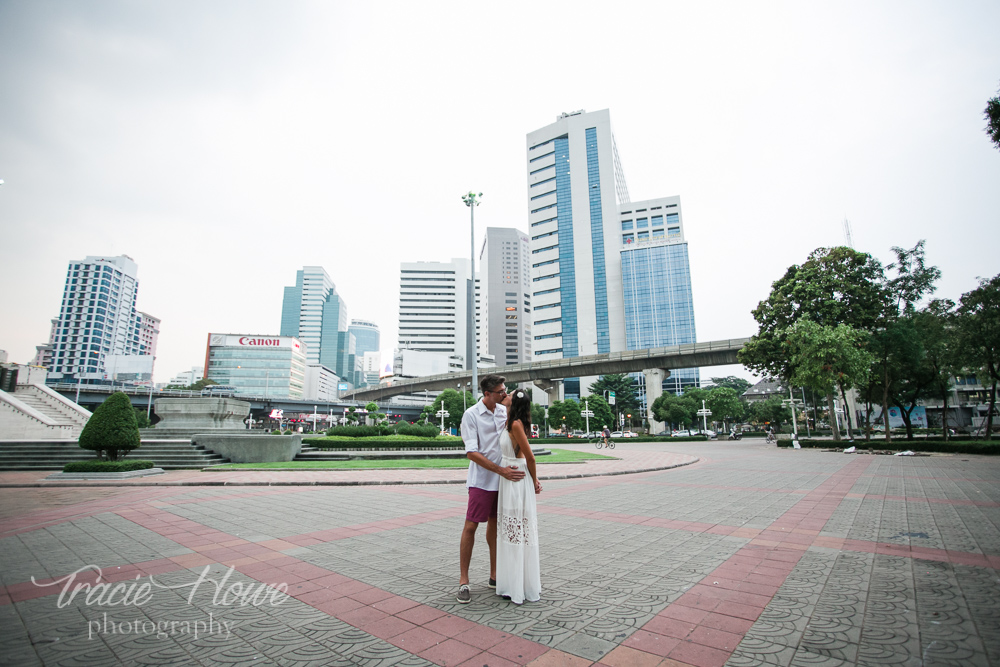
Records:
x=847, y=233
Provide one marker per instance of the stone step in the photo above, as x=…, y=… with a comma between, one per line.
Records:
x=174, y=454
x=43, y=406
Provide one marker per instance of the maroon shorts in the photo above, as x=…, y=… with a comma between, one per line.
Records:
x=482, y=505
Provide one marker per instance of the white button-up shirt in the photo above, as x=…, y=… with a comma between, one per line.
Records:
x=481, y=431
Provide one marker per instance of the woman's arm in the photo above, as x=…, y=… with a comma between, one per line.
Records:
x=521, y=440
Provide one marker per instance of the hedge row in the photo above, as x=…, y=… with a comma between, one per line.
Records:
x=932, y=445
x=387, y=443
x=107, y=466
x=618, y=441
x=402, y=428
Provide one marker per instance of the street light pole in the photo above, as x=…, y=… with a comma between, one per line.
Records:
x=471, y=200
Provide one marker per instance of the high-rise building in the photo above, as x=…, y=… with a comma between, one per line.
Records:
x=313, y=312
x=43, y=353
x=366, y=349
x=149, y=333
x=506, y=296
x=656, y=281
x=433, y=311
x=579, y=205
x=98, y=319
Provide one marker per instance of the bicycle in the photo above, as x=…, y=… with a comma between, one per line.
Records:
x=599, y=442
x=771, y=437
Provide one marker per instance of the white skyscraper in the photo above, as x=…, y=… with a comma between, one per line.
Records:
x=433, y=312
x=505, y=331
x=583, y=229
x=97, y=320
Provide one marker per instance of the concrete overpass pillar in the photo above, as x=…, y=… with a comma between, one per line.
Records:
x=551, y=389
x=654, y=389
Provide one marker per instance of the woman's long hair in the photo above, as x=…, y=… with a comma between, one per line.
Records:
x=520, y=410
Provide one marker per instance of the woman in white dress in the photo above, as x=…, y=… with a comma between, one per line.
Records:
x=518, y=572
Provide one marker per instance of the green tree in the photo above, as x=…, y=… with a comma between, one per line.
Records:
x=452, y=402
x=992, y=115
x=569, y=409
x=737, y=384
x=675, y=410
x=625, y=399
x=603, y=414
x=828, y=359
x=770, y=411
x=725, y=404
x=978, y=324
x=893, y=342
x=201, y=384
x=112, y=429
x=538, y=416
x=834, y=286
x=141, y=420
x=935, y=325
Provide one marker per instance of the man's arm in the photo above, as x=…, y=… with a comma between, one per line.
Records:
x=511, y=474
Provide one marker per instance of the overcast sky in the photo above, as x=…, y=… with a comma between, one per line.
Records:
x=224, y=145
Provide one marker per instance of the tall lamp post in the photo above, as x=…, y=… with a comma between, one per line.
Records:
x=471, y=200
x=587, y=413
x=791, y=402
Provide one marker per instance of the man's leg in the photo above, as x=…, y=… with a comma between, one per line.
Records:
x=465, y=551
x=491, y=540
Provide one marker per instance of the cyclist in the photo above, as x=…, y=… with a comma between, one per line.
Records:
x=770, y=435
x=606, y=434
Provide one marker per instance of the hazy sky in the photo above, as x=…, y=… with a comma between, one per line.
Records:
x=224, y=145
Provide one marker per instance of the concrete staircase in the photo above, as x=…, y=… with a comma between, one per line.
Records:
x=35, y=411
x=53, y=454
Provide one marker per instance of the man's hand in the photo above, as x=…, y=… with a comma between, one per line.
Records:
x=512, y=473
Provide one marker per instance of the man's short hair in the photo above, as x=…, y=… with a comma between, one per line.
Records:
x=488, y=382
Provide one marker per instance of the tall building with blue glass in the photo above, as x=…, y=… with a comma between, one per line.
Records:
x=313, y=312
x=606, y=275
x=656, y=281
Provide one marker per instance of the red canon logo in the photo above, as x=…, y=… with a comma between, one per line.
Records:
x=272, y=342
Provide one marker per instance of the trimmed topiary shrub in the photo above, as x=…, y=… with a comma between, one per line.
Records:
x=112, y=429
x=107, y=466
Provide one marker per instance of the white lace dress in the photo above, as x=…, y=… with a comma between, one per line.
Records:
x=518, y=572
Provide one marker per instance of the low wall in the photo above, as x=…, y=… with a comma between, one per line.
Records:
x=251, y=448
x=206, y=413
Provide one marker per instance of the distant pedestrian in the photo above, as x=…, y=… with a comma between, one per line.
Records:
x=482, y=425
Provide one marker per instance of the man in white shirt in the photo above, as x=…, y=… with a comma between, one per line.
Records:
x=482, y=425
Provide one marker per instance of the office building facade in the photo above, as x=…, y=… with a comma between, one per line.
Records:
x=367, y=342
x=505, y=330
x=313, y=312
x=578, y=209
x=434, y=315
x=257, y=365
x=97, y=319
x=656, y=281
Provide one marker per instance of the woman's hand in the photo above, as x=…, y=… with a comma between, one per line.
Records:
x=538, y=487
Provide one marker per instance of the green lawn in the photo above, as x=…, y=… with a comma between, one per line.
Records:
x=557, y=456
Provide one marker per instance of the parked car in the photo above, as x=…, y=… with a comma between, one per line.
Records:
x=630, y=434
x=681, y=434
x=617, y=434
x=710, y=433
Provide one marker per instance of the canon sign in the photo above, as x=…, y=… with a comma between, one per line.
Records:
x=254, y=340
x=266, y=342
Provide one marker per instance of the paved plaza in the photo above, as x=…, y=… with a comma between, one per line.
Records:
x=718, y=554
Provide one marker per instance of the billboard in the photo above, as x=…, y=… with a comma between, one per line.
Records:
x=254, y=341
x=918, y=418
